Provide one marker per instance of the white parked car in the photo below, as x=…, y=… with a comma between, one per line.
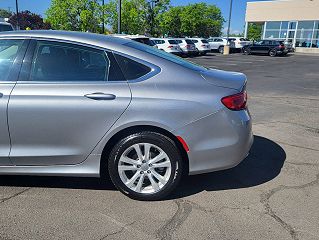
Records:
x=202, y=45
x=218, y=43
x=187, y=46
x=137, y=38
x=168, y=45
x=240, y=42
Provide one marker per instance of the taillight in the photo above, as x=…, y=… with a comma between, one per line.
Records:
x=170, y=46
x=236, y=102
x=281, y=46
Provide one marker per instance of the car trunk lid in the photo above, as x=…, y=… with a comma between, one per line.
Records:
x=233, y=80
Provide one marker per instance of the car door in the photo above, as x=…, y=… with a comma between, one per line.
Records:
x=256, y=47
x=11, y=56
x=66, y=99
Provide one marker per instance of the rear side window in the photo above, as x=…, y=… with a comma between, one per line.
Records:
x=55, y=61
x=204, y=41
x=172, y=41
x=8, y=53
x=130, y=68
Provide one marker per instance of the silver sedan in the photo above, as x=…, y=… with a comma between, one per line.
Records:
x=80, y=104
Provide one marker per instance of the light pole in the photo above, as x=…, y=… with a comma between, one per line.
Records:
x=152, y=5
x=226, y=50
x=119, y=17
x=17, y=13
x=103, y=23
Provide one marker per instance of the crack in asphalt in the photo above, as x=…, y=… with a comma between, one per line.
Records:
x=293, y=145
x=184, y=208
x=14, y=195
x=265, y=197
x=117, y=232
x=308, y=128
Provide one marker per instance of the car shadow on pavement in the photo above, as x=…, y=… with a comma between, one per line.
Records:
x=263, y=164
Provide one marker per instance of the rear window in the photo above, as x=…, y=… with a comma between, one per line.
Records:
x=244, y=39
x=146, y=41
x=204, y=41
x=172, y=42
x=166, y=56
x=189, y=41
x=232, y=39
x=130, y=68
x=5, y=28
x=159, y=41
x=194, y=41
x=179, y=41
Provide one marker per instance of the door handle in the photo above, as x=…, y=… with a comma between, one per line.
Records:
x=100, y=96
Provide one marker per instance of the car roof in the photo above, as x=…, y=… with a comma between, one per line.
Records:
x=81, y=37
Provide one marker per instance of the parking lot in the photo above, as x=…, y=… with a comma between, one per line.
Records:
x=272, y=194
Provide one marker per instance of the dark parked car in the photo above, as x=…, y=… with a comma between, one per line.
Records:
x=271, y=47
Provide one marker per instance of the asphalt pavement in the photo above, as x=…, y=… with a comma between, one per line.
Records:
x=272, y=194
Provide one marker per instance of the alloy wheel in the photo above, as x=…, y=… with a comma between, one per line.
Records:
x=144, y=168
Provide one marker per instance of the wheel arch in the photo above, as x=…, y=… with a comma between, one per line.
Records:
x=139, y=128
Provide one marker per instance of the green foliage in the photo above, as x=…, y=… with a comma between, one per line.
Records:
x=254, y=31
x=199, y=19
x=5, y=13
x=171, y=23
x=75, y=15
x=132, y=16
x=138, y=17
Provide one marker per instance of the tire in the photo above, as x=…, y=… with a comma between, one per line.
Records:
x=246, y=51
x=135, y=178
x=221, y=49
x=272, y=53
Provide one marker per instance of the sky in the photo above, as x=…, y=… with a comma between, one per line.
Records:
x=237, y=22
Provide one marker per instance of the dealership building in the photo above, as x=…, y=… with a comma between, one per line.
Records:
x=295, y=21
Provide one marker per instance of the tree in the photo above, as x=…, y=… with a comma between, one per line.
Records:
x=28, y=19
x=201, y=20
x=75, y=15
x=154, y=10
x=254, y=31
x=5, y=13
x=170, y=22
x=198, y=19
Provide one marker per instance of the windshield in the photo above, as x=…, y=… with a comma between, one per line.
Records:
x=165, y=55
x=5, y=27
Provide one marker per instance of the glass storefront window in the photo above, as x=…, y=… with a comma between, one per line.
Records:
x=272, y=34
x=317, y=25
x=316, y=34
x=303, y=43
x=304, y=34
x=283, y=34
x=305, y=25
x=273, y=25
x=315, y=43
x=292, y=25
x=284, y=25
